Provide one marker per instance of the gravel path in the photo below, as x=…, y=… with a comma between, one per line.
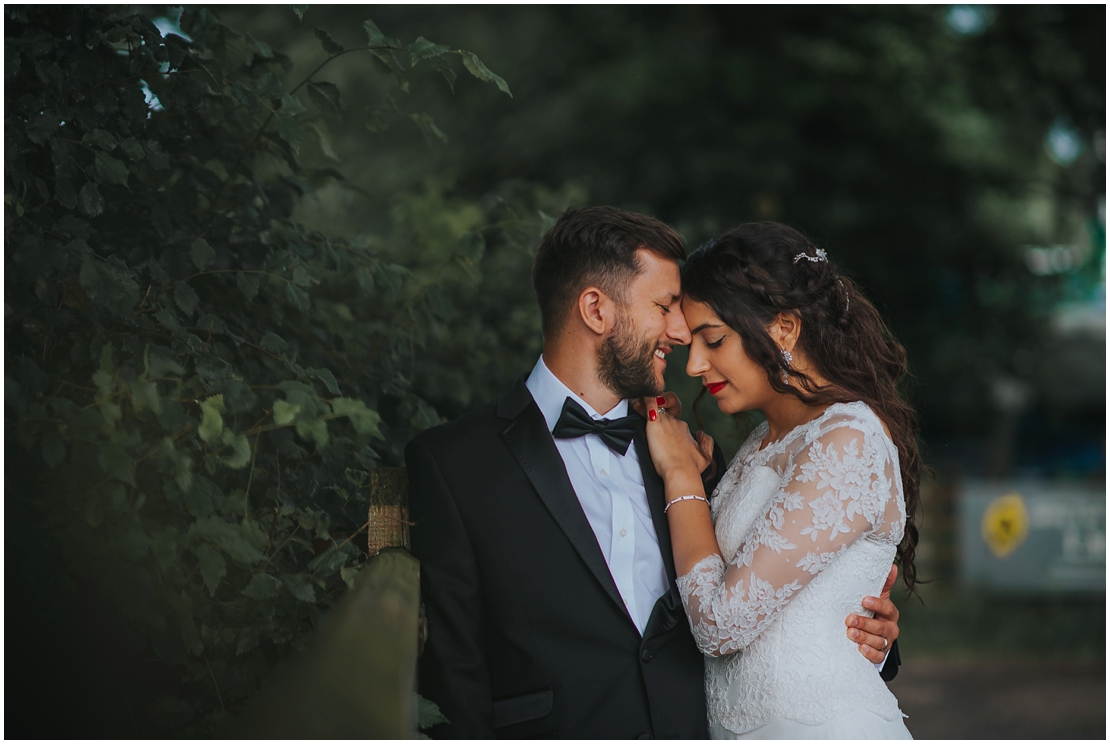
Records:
x=1003, y=700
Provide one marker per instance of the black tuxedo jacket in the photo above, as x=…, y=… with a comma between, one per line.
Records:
x=527, y=633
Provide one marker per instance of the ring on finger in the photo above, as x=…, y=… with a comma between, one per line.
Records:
x=885, y=644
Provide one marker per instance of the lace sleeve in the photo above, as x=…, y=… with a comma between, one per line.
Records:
x=843, y=486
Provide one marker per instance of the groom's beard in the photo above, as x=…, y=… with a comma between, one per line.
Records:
x=626, y=365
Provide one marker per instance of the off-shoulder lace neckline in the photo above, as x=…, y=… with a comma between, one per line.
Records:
x=755, y=439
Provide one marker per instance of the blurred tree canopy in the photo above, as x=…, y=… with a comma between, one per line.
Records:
x=913, y=142
x=253, y=250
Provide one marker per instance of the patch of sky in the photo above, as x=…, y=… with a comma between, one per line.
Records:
x=1063, y=143
x=969, y=20
x=171, y=23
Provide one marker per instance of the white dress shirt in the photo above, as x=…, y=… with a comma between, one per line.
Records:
x=610, y=488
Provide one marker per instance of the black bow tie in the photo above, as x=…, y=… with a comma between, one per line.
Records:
x=616, y=433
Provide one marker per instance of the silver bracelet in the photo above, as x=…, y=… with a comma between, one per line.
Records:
x=687, y=497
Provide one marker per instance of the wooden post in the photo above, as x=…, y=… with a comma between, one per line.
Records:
x=389, y=509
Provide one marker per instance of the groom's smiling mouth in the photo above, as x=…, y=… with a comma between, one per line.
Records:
x=662, y=352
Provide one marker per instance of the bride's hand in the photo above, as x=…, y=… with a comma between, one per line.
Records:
x=673, y=449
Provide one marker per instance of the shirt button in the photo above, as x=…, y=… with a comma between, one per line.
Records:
x=624, y=532
x=602, y=471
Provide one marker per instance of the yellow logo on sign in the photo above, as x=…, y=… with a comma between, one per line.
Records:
x=1005, y=524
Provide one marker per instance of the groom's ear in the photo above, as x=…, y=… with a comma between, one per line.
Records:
x=597, y=310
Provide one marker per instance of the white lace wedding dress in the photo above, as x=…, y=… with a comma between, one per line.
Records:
x=810, y=525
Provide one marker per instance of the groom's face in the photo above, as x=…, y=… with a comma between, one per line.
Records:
x=632, y=359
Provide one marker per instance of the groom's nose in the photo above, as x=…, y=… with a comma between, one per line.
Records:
x=677, y=329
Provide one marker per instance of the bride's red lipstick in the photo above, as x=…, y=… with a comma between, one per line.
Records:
x=715, y=387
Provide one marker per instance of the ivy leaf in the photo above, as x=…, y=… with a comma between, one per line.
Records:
x=325, y=143
x=300, y=587
x=325, y=376
x=428, y=713
x=291, y=105
x=298, y=297
x=389, y=276
x=349, y=574
x=166, y=317
x=145, y=395
x=290, y=130
x=478, y=69
x=212, y=422
x=362, y=418
x=301, y=277
x=428, y=128
x=248, y=284
x=65, y=193
x=273, y=343
x=422, y=49
x=227, y=537
x=100, y=138
x=133, y=149
x=212, y=567
x=248, y=640
x=204, y=495
x=202, y=253
x=285, y=412
x=444, y=68
x=90, y=200
x=154, y=155
x=315, y=429
x=241, y=450
x=263, y=586
x=106, y=283
x=325, y=96
x=376, y=37
x=298, y=10
x=115, y=461
x=332, y=559
x=269, y=86
x=109, y=170
x=185, y=297
x=331, y=46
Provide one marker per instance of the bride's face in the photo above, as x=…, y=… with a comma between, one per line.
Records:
x=717, y=356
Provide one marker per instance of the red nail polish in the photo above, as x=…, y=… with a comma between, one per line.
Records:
x=652, y=414
x=660, y=400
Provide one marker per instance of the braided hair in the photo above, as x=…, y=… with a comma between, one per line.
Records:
x=753, y=272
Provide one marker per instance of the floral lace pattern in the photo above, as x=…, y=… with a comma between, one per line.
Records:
x=810, y=525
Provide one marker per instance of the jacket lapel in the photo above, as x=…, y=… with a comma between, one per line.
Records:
x=653, y=485
x=530, y=442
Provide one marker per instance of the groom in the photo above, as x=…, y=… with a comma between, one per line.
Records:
x=546, y=564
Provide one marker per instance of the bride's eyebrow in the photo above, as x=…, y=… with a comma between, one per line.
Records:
x=703, y=326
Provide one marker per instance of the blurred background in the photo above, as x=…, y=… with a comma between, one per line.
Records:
x=951, y=159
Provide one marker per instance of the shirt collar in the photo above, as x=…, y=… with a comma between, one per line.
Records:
x=550, y=393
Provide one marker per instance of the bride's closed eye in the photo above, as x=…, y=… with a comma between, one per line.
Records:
x=715, y=344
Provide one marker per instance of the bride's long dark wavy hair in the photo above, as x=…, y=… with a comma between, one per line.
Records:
x=755, y=271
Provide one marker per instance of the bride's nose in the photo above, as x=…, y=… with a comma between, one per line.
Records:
x=697, y=365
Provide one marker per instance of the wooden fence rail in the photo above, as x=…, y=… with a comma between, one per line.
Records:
x=357, y=677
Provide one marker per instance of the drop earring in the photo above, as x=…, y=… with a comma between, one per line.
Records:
x=788, y=358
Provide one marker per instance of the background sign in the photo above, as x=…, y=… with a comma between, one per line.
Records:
x=1032, y=535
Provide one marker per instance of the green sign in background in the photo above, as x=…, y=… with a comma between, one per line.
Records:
x=1060, y=547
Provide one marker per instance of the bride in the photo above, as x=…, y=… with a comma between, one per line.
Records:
x=817, y=503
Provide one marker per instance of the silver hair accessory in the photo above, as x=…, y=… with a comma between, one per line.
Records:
x=789, y=359
x=847, y=297
x=821, y=256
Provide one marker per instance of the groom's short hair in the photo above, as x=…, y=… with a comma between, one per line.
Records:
x=595, y=246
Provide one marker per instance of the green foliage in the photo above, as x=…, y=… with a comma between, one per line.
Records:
x=192, y=375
